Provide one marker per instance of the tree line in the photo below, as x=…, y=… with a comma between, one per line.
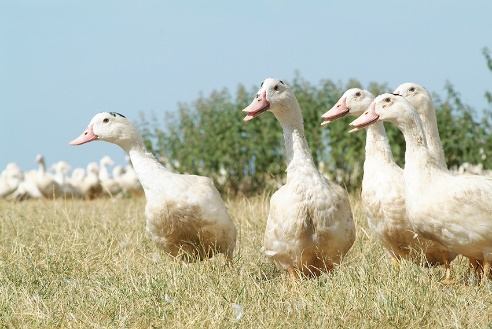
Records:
x=208, y=136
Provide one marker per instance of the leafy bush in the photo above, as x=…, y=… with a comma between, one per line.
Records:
x=208, y=137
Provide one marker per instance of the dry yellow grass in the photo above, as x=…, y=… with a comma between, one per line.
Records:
x=92, y=265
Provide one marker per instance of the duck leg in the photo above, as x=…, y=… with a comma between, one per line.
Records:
x=293, y=274
x=394, y=261
x=228, y=257
x=447, y=265
x=486, y=270
x=474, y=269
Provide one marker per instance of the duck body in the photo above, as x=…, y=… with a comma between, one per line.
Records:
x=304, y=229
x=310, y=226
x=455, y=211
x=185, y=214
x=383, y=197
x=384, y=200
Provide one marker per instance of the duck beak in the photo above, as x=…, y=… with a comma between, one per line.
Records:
x=257, y=107
x=339, y=110
x=366, y=119
x=87, y=136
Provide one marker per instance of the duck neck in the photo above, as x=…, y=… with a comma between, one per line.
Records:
x=297, y=149
x=61, y=174
x=42, y=168
x=103, y=170
x=429, y=124
x=296, y=146
x=417, y=154
x=377, y=143
x=145, y=166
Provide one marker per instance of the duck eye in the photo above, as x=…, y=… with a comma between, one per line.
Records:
x=387, y=100
x=357, y=94
x=106, y=120
x=275, y=88
x=412, y=89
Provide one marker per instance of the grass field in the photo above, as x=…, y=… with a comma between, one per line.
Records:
x=92, y=265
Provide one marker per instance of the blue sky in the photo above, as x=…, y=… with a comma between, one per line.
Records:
x=61, y=62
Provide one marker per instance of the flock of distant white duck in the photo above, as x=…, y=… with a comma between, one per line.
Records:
x=90, y=183
x=422, y=213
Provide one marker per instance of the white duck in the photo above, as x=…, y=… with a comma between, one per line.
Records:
x=310, y=226
x=62, y=171
x=455, y=211
x=77, y=178
x=185, y=213
x=91, y=185
x=110, y=186
x=46, y=182
x=383, y=190
x=421, y=100
x=118, y=172
x=27, y=188
x=10, y=178
x=130, y=182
